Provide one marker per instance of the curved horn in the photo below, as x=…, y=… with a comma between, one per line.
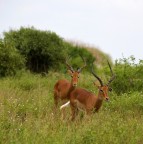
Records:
x=113, y=75
x=80, y=69
x=101, y=83
x=70, y=67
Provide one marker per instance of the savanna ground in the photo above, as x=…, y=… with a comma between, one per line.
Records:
x=26, y=114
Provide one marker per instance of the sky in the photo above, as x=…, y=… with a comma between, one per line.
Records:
x=113, y=26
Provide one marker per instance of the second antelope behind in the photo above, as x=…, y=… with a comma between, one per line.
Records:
x=81, y=99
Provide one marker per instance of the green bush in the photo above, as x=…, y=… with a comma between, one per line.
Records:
x=10, y=59
x=45, y=50
x=76, y=52
x=129, y=75
x=42, y=49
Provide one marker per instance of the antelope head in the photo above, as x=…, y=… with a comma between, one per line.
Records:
x=104, y=88
x=74, y=73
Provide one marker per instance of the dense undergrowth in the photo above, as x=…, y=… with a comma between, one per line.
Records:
x=26, y=114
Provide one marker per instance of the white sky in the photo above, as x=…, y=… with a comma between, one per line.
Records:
x=114, y=26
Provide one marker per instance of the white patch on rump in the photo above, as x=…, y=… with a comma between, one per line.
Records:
x=65, y=105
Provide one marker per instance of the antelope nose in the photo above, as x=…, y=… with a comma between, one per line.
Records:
x=107, y=99
x=75, y=84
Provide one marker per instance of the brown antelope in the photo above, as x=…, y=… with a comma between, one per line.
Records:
x=63, y=88
x=86, y=100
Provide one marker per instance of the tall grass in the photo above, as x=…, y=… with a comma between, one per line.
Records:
x=26, y=114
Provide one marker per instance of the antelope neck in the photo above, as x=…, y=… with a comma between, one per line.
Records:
x=70, y=89
x=98, y=102
x=100, y=97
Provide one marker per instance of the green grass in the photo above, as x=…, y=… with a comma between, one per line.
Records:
x=26, y=114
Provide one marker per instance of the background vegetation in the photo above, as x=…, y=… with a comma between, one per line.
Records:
x=41, y=50
x=26, y=96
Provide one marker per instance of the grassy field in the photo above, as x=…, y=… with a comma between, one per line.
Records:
x=26, y=115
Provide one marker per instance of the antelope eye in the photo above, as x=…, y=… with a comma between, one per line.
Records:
x=78, y=76
x=101, y=90
x=110, y=89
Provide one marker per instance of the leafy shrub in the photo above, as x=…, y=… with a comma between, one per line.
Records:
x=42, y=49
x=10, y=59
x=129, y=75
x=76, y=51
x=45, y=50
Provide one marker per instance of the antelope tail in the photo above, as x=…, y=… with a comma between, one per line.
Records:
x=64, y=105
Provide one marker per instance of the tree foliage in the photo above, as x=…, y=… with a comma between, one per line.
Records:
x=11, y=60
x=129, y=75
x=76, y=52
x=39, y=51
x=42, y=49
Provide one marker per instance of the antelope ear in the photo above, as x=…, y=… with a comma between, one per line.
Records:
x=110, y=89
x=69, y=72
x=96, y=84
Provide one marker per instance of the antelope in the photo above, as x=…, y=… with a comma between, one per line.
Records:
x=63, y=87
x=81, y=99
